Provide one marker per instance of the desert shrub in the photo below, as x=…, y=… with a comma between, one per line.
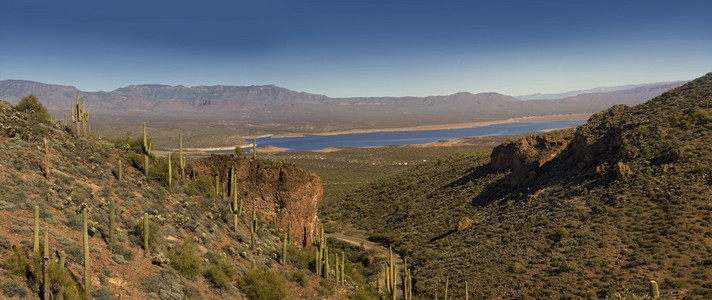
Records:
x=219, y=272
x=201, y=185
x=12, y=288
x=153, y=234
x=677, y=283
x=158, y=169
x=120, y=249
x=561, y=234
x=102, y=294
x=16, y=264
x=4, y=242
x=263, y=284
x=184, y=260
x=192, y=293
x=299, y=277
x=33, y=109
x=364, y=293
x=300, y=257
x=516, y=268
x=62, y=280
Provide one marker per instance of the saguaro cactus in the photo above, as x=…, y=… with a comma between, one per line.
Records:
x=145, y=232
x=253, y=226
x=236, y=211
x=45, y=265
x=254, y=148
x=466, y=293
x=46, y=158
x=181, y=160
x=36, y=234
x=170, y=171
x=447, y=282
x=217, y=185
x=654, y=292
x=147, y=147
x=75, y=116
x=111, y=221
x=284, y=249
x=84, y=116
x=87, y=268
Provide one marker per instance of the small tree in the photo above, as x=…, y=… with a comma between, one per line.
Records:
x=33, y=109
x=239, y=152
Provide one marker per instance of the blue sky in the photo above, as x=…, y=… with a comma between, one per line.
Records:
x=357, y=48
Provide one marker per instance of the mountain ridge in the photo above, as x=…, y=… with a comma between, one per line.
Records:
x=579, y=213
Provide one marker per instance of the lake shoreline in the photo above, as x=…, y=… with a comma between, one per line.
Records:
x=560, y=117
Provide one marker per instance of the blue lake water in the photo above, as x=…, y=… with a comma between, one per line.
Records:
x=419, y=137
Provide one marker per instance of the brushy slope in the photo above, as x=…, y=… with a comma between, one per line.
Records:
x=188, y=225
x=624, y=199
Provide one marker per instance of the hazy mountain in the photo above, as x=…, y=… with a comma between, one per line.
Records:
x=608, y=89
x=272, y=99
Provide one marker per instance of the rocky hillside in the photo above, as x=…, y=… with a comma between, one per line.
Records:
x=190, y=248
x=584, y=213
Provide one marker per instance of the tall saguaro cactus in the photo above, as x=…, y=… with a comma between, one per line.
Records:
x=254, y=148
x=87, y=268
x=36, y=234
x=111, y=221
x=145, y=232
x=170, y=171
x=654, y=292
x=79, y=116
x=253, y=226
x=45, y=266
x=284, y=250
x=147, y=147
x=46, y=158
x=181, y=160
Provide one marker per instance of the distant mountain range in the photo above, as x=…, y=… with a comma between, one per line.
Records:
x=253, y=101
x=598, y=90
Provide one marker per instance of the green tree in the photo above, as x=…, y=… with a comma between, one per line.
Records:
x=239, y=151
x=33, y=109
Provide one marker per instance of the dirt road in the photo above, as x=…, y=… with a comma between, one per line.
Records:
x=357, y=240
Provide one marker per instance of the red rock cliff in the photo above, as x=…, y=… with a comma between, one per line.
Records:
x=282, y=193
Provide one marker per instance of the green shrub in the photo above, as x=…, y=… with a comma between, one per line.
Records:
x=153, y=235
x=201, y=185
x=677, y=283
x=33, y=109
x=12, y=288
x=516, y=268
x=62, y=280
x=364, y=293
x=192, y=293
x=102, y=294
x=561, y=234
x=16, y=264
x=120, y=249
x=263, y=284
x=4, y=242
x=299, y=277
x=220, y=272
x=184, y=260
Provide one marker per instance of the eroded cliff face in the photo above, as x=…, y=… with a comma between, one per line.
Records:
x=535, y=149
x=282, y=193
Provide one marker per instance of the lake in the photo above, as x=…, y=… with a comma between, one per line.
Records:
x=415, y=137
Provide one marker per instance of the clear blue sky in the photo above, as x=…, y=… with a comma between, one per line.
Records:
x=357, y=48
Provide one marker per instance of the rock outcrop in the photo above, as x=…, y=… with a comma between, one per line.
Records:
x=282, y=193
x=536, y=149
